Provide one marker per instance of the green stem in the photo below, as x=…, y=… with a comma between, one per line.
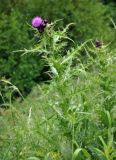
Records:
x=73, y=131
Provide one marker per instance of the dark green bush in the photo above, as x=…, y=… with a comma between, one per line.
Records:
x=91, y=18
x=14, y=35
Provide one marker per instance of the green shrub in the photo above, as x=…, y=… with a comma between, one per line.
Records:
x=91, y=18
x=22, y=71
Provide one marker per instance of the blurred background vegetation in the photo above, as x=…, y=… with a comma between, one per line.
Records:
x=92, y=18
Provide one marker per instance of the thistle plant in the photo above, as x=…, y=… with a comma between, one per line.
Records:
x=71, y=115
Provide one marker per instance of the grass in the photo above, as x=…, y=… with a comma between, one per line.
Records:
x=73, y=115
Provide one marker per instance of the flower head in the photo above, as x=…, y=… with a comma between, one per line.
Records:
x=39, y=23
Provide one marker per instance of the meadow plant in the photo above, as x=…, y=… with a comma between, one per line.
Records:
x=72, y=116
x=92, y=21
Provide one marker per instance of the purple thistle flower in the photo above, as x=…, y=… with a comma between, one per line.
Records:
x=39, y=23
